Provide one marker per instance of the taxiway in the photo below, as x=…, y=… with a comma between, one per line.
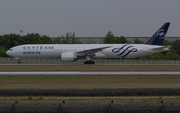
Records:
x=89, y=72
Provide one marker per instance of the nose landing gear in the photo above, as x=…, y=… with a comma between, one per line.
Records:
x=19, y=62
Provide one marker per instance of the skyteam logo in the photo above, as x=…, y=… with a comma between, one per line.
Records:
x=124, y=50
x=161, y=33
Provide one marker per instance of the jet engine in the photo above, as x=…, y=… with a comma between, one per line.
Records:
x=68, y=57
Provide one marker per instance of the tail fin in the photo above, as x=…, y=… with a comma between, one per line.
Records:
x=158, y=37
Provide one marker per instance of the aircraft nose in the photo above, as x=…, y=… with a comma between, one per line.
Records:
x=7, y=52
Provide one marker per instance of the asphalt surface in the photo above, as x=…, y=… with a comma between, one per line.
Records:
x=89, y=72
x=66, y=98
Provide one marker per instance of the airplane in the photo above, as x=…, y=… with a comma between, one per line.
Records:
x=73, y=52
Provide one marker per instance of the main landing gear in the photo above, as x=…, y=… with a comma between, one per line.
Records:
x=89, y=61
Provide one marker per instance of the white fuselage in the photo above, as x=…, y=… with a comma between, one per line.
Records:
x=55, y=50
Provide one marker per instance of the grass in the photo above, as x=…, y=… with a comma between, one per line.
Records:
x=107, y=100
x=88, y=81
x=87, y=67
x=30, y=98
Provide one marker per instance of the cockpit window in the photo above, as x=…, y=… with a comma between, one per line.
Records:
x=10, y=49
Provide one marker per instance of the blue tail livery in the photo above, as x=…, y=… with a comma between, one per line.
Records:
x=158, y=37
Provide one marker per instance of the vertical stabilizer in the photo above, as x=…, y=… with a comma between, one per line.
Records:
x=158, y=37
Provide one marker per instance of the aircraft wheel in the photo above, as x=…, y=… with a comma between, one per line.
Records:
x=93, y=62
x=89, y=62
x=85, y=62
x=19, y=62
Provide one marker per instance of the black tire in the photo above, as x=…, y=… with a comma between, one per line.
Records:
x=89, y=62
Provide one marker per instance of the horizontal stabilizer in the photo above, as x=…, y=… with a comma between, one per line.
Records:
x=161, y=48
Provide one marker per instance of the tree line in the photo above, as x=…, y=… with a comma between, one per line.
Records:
x=10, y=40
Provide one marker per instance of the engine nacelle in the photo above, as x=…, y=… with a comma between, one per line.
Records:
x=68, y=57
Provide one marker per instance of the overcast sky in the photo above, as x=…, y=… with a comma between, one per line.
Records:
x=89, y=18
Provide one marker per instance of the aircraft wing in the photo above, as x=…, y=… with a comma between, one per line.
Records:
x=160, y=48
x=91, y=51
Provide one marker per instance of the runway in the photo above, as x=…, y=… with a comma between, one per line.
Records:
x=89, y=72
x=107, y=97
